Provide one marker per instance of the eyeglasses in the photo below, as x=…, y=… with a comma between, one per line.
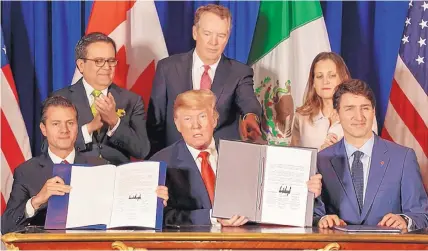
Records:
x=100, y=62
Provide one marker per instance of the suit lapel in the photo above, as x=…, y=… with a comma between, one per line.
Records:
x=341, y=167
x=220, y=77
x=378, y=165
x=186, y=161
x=45, y=160
x=184, y=71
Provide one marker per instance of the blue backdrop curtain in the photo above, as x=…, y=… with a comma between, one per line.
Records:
x=40, y=39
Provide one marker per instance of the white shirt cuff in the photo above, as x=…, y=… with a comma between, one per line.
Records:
x=29, y=209
x=410, y=222
x=214, y=221
x=111, y=131
x=87, y=137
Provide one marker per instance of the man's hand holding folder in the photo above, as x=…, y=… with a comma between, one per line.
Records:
x=53, y=186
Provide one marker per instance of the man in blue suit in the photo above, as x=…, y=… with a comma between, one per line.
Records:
x=205, y=67
x=368, y=180
x=192, y=163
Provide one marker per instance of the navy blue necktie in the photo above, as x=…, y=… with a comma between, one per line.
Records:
x=358, y=177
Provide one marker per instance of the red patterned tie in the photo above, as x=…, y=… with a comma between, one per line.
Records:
x=208, y=175
x=205, y=79
x=64, y=162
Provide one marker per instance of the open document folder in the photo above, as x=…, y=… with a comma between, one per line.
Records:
x=107, y=196
x=265, y=183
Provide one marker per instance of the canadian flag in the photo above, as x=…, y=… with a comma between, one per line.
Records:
x=135, y=27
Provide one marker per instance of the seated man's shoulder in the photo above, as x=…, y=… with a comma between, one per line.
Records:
x=328, y=151
x=168, y=154
x=394, y=146
x=397, y=151
x=29, y=165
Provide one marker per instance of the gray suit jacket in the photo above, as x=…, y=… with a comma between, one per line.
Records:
x=29, y=178
x=232, y=84
x=129, y=139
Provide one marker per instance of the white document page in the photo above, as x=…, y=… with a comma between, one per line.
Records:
x=91, y=195
x=135, y=199
x=285, y=190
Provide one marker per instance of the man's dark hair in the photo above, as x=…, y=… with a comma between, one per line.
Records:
x=80, y=50
x=56, y=101
x=356, y=87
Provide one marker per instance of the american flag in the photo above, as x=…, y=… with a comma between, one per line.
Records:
x=407, y=114
x=15, y=145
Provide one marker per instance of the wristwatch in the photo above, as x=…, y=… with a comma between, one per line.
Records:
x=406, y=219
x=257, y=117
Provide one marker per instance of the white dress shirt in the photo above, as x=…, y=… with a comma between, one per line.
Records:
x=29, y=209
x=89, y=89
x=198, y=69
x=212, y=159
x=308, y=133
x=367, y=150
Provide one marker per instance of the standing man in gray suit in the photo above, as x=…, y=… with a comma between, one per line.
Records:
x=205, y=67
x=112, y=122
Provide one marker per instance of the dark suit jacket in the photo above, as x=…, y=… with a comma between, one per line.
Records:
x=188, y=202
x=29, y=178
x=129, y=139
x=394, y=185
x=232, y=84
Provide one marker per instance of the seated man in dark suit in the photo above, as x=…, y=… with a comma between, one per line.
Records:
x=205, y=67
x=33, y=183
x=192, y=163
x=112, y=122
x=368, y=180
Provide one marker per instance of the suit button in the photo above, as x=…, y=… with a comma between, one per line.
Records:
x=78, y=149
x=100, y=146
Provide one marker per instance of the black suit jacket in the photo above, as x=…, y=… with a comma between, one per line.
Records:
x=29, y=178
x=129, y=139
x=232, y=85
x=189, y=203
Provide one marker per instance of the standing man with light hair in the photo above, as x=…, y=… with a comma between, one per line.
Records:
x=192, y=163
x=205, y=67
x=112, y=122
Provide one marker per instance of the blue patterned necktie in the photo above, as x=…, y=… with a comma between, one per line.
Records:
x=358, y=177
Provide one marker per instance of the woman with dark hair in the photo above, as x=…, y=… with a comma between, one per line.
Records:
x=316, y=123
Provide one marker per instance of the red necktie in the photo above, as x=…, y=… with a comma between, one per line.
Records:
x=205, y=79
x=208, y=175
x=64, y=162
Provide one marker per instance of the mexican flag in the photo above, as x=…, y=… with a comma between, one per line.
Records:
x=288, y=35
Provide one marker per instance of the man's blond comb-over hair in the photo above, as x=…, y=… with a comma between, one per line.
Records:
x=196, y=99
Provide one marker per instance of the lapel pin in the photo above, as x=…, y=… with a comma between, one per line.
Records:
x=382, y=162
